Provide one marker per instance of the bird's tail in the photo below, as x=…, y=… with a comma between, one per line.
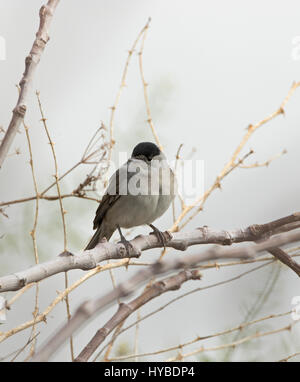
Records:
x=100, y=233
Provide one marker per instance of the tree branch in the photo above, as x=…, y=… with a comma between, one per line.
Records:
x=31, y=62
x=178, y=240
x=125, y=310
x=286, y=259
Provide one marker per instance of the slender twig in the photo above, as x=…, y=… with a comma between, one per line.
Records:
x=202, y=338
x=33, y=236
x=252, y=128
x=18, y=295
x=232, y=344
x=145, y=85
x=199, y=202
x=88, y=157
x=289, y=357
x=123, y=84
x=17, y=352
x=177, y=158
x=56, y=176
x=136, y=335
x=266, y=290
x=62, y=211
x=69, y=315
x=50, y=198
x=265, y=163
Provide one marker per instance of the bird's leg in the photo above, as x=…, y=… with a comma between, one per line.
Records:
x=160, y=235
x=125, y=242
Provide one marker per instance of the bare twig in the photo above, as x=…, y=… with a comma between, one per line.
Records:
x=62, y=211
x=17, y=352
x=18, y=295
x=56, y=170
x=259, y=302
x=33, y=236
x=175, y=172
x=91, y=155
x=202, y=338
x=50, y=198
x=31, y=62
x=255, y=335
x=149, y=120
x=231, y=164
x=136, y=335
x=289, y=357
x=263, y=164
x=123, y=84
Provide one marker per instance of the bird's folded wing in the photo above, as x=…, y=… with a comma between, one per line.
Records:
x=106, y=202
x=117, y=187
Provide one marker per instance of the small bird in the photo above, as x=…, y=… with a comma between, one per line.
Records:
x=139, y=192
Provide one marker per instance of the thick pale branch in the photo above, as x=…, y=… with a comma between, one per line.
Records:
x=31, y=62
x=178, y=240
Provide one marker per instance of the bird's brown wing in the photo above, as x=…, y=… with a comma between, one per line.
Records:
x=106, y=202
x=110, y=197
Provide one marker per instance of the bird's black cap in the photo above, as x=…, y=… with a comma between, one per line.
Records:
x=147, y=149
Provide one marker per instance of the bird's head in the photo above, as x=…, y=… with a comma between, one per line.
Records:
x=147, y=151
